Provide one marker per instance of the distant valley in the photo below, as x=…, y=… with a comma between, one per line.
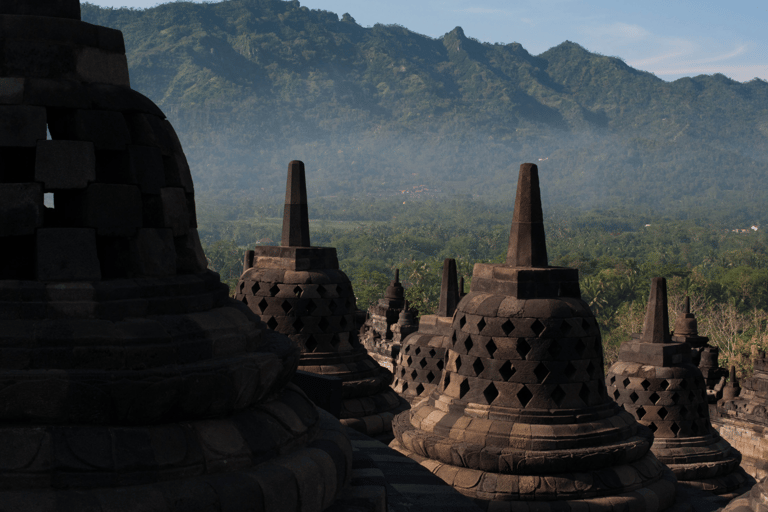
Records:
x=374, y=112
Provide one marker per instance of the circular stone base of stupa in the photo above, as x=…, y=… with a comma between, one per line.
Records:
x=283, y=454
x=647, y=486
x=368, y=404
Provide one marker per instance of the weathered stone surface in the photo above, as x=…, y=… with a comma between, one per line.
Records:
x=65, y=164
x=522, y=392
x=21, y=125
x=67, y=254
x=129, y=380
x=299, y=291
x=656, y=382
x=22, y=208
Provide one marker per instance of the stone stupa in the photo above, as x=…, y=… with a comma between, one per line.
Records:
x=703, y=355
x=129, y=380
x=420, y=363
x=299, y=291
x=521, y=419
x=656, y=382
x=379, y=332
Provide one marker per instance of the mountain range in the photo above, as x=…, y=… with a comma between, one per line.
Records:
x=383, y=111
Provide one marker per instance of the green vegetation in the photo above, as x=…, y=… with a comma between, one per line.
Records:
x=253, y=84
x=617, y=253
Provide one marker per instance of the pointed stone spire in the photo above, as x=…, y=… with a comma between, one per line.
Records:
x=656, y=325
x=449, y=290
x=295, y=214
x=53, y=8
x=395, y=289
x=687, y=306
x=527, y=244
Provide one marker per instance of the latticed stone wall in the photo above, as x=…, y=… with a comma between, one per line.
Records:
x=543, y=362
x=318, y=315
x=673, y=403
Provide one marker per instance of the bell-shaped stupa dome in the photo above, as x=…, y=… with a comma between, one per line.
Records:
x=299, y=291
x=521, y=418
x=655, y=380
x=129, y=380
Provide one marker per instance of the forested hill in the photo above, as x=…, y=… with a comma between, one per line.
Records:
x=252, y=84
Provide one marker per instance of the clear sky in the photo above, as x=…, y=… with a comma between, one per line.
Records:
x=671, y=38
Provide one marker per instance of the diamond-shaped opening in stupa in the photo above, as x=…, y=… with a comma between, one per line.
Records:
x=507, y=370
x=640, y=412
x=481, y=324
x=491, y=347
x=662, y=412
x=541, y=371
x=558, y=395
x=490, y=393
x=522, y=348
x=463, y=388
x=430, y=377
x=478, y=366
x=524, y=395
x=507, y=327
x=537, y=327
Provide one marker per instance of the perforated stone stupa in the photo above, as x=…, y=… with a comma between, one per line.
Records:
x=380, y=332
x=128, y=379
x=420, y=362
x=299, y=291
x=703, y=355
x=655, y=380
x=521, y=419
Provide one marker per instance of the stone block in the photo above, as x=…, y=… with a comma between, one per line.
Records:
x=21, y=125
x=153, y=253
x=115, y=97
x=190, y=258
x=95, y=65
x=175, y=214
x=146, y=165
x=55, y=93
x=21, y=208
x=110, y=39
x=67, y=254
x=64, y=164
x=53, y=8
x=113, y=206
x=38, y=58
x=106, y=129
x=11, y=91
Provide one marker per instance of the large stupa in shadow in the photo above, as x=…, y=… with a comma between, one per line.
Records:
x=129, y=380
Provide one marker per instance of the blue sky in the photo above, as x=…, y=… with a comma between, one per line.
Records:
x=671, y=38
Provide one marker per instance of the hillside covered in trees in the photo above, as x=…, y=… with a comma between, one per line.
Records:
x=252, y=84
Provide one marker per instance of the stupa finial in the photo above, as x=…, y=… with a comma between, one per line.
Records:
x=527, y=244
x=656, y=325
x=687, y=306
x=295, y=214
x=449, y=290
